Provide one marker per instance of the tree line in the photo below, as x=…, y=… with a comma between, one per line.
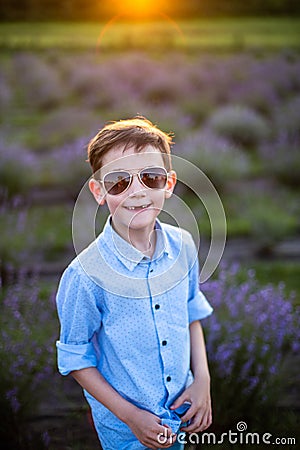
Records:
x=103, y=9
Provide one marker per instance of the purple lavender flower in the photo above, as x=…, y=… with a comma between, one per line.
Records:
x=28, y=328
x=248, y=337
x=12, y=397
x=39, y=81
x=239, y=124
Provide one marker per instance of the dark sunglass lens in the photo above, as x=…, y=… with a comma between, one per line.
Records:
x=116, y=182
x=154, y=177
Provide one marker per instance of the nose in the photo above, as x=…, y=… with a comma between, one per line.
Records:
x=136, y=188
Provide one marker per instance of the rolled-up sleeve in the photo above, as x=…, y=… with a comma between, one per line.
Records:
x=75, y=357
x=80, y=318
x=198, y=307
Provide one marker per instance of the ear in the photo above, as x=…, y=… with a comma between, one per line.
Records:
x=171, y=182
x=97, y=191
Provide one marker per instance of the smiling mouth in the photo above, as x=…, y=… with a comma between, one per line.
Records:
x=137, y=208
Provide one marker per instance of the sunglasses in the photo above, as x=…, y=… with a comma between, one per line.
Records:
x=117, y=182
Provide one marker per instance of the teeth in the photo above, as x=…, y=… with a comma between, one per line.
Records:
x=132, y=208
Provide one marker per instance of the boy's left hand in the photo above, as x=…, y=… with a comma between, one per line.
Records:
x=200, y=412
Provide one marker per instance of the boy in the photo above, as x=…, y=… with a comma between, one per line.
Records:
x=129, y=305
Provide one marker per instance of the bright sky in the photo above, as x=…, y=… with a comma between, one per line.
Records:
x=139, y=8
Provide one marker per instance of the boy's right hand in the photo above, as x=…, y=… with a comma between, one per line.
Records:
x=147, y=428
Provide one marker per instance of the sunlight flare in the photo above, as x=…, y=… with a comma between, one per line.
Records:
x=139, y=8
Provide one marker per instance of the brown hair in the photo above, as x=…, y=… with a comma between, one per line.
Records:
x=137, y=132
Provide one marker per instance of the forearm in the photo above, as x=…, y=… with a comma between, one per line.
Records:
x=199, y=364
x=199, y=414
x=94, y=383
x=145, y=425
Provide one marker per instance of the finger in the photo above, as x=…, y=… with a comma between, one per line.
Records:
x=198, y=429
x=206, y=418
x=192, y=428
x=163, y=434
x=189, y=414
x=200, y=423
x=207, y=421
x=162, y=440
x=179, y=401
x=171, y=441
x=194, y=424
x=157, y=436
x=165, y=429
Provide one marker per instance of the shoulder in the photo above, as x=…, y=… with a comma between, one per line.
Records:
x=77, y=270
x=179, y=240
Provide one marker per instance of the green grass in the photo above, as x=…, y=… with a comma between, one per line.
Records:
x=206, y=34
x=39, y=233
x=275, y=272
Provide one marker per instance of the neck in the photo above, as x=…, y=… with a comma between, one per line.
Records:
x=143, y=240
x=145, y=244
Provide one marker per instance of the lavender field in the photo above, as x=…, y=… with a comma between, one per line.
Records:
x=235, y=115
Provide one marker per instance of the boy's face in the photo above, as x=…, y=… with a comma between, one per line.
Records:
x=136, y=208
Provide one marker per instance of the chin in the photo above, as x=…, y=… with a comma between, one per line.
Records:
x=142, y=220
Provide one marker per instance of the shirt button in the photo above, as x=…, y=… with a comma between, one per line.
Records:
x=151, y=270
x=164, y=343
x=168, y=378
x=157, y=306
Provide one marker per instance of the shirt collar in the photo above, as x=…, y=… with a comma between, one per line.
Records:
x=127, y=253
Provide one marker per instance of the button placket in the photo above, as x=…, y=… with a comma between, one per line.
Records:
x=161, y=319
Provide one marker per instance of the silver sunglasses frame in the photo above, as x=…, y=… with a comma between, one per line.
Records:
x=132, y=174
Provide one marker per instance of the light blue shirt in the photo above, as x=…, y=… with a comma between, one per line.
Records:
x=128, y=315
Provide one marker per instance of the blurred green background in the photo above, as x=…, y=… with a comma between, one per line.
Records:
x=224, y=77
